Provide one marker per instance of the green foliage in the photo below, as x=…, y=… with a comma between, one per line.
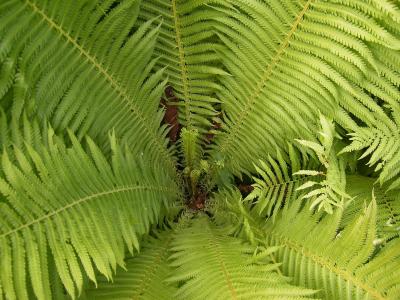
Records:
x=272, y=98
x=362, y=189
x=341, y=262
x=206, y=263
x=330, y=192
x=149, y=283
x=277, y=184
x=382, y=148
x=65, y=200
x=71, y=59
x=291, y=59
x=186, y=45
x=229, y=209
x=213, y=265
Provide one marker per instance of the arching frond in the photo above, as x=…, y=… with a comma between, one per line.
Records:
x=343, y=263
x=145, y=274
x=382, y=147
x=331, y=191
x=187, y=47
x=363, y=189
x=291, y=59
x=212, y=265
x=277, y=185
x=87, y=69
x=229, y=210
x=89, y=176
x=73, y=208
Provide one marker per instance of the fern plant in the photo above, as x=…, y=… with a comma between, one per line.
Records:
x=186, y=149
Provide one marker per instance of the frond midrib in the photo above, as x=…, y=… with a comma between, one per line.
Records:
x=215, y=247
x=109, y=78
x=182, y=64
x=303, y=251
x=85, y=199
x=144, y=282
x=252, y=98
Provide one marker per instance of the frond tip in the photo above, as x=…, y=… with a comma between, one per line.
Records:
x=330, y=192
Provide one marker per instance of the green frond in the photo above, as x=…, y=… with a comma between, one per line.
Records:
x=363, y=189
x=291, y=59
x=382, y=148
x=229, y=210
x=96, y=202
x=187, y=48
x=191, y=154
x=212, y=265
x=145, y=274
x=331, y=191
x=343, y=263
x=72, y=206
x=86, y=69
x=276, y=184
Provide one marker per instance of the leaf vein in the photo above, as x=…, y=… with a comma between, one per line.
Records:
x=85, y=199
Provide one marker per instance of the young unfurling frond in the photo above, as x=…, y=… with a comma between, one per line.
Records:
x=331, y=191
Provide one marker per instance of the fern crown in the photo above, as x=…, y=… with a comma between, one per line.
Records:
x=186, y=149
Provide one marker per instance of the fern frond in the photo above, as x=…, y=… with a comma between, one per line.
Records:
x=331, y=191
x=289, y=60
x=78, y=78
x=382, y=148
x=228, y=209
x=212, y=265
x=87, y=170
x=76, y=208
x=145, y=274
x=276, y=184
x=343, y=263
x=191, y=154
x=186, y=46
x=362, y=189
